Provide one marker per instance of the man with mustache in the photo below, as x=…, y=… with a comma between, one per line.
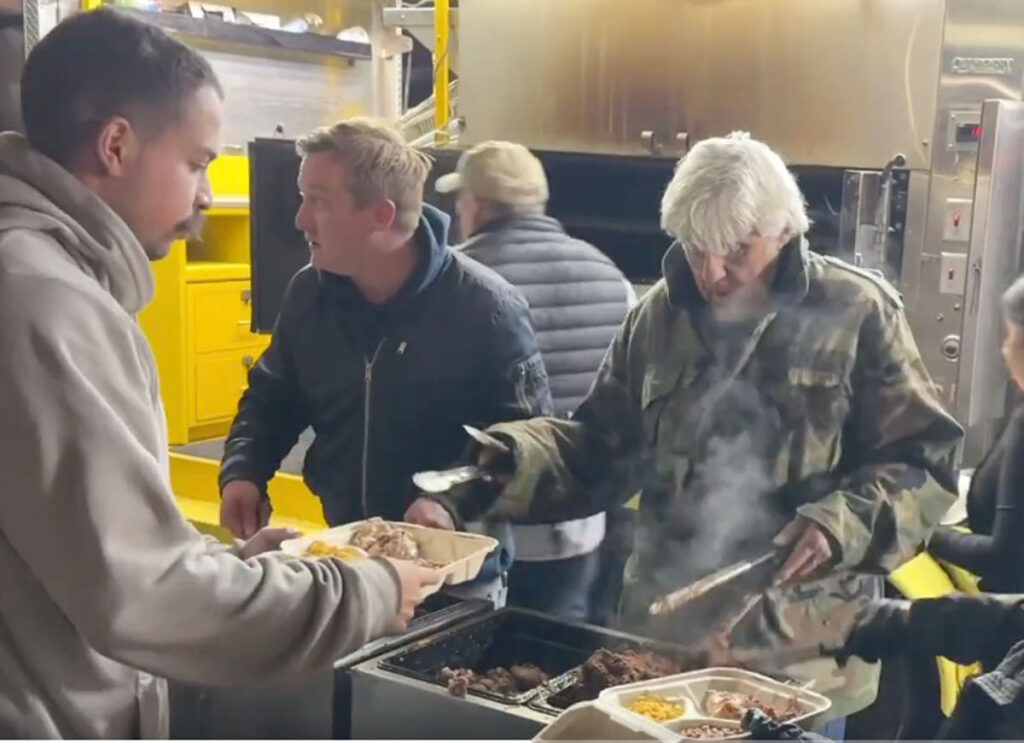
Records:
x=105, y=586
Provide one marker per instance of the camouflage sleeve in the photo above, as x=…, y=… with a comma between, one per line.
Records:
x=967, y=629
x=896, y=468
x=569, y=469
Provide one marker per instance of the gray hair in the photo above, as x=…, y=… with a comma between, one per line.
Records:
x=495, y=210
x=1013, y=302
x=727, y=188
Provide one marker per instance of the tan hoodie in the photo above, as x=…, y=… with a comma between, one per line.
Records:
x=100, y=574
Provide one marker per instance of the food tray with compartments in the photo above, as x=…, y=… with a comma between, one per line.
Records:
x=461, y=554
x=691, y=691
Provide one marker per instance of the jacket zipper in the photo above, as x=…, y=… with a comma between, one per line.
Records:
x=367, y=386
x=521, y=398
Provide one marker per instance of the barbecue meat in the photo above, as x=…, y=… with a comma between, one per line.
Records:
x=605, y=669
x=381, y=539
x=528, y=676
x=731, y=705
x=506, y=682
x=458, y=681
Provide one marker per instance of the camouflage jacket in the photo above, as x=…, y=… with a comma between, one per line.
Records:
x=822, y=409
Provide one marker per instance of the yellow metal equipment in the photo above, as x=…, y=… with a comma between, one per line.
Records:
x=194, y=481
x=923, y=577
x=198, y=326
x=442, y=111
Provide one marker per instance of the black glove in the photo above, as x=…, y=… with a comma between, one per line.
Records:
x=879, y=631
x=762, y=727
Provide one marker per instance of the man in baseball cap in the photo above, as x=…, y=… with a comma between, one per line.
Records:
x=502, y=196
x=504, y=175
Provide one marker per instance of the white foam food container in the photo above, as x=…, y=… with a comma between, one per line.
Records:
x=688, y=690
x=587, y=721
x=461, y=553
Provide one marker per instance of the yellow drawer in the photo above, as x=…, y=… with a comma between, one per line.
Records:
x=220, y=313
x=220, y=380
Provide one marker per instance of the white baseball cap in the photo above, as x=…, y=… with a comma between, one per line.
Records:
x=502, y=172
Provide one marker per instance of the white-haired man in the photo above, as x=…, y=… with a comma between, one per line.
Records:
x=764, y=397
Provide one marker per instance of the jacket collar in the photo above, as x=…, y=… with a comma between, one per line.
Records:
x=789, y=286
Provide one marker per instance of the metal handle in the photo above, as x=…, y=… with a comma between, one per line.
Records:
x=976, y=275
x=673, y=601
x=248, y=361
x=649, y=140
x=441, y=481
x=246, y=296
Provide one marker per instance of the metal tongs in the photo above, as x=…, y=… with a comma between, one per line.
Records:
x=441, y=481
x=784, y=656
x=672, y=601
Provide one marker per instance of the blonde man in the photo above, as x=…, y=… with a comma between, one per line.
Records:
x=763, y=397
x=387, y=343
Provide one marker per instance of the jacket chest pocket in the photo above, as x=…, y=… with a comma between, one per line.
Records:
x=662, y=401
x=818, y=404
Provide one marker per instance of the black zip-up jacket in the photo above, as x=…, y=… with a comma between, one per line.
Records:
x=387, y=388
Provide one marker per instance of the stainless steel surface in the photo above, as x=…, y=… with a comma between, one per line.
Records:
x=335, y=14
x=733, y=622
x=314, y=706
x=974, y=31
x=863, y=221
x=842, y=83
x=292, y=91
x=30, y=24
x=410, y=18
x=441, y=481
x=993, y=260
x=485, y=439
x=953, y=273
x=268, y=88
x=392, y=707
x=386, y=67
x=419, y=22
x=299, y=709
x=677, y=599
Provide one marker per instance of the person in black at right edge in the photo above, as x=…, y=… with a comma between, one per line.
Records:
x=965, y=629
x=995, y=501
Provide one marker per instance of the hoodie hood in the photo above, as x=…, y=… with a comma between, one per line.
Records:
x=38, y=195
x=432, y=238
